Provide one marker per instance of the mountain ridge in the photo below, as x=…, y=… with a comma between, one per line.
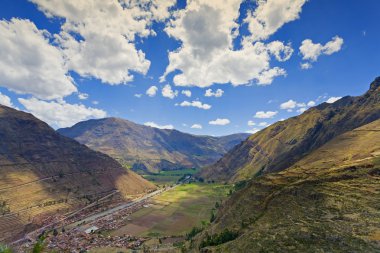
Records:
x=149, y=149
x=282, y=144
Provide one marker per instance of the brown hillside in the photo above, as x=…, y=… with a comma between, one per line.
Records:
x=43, y=173
x=284, y=143
x=327, y=202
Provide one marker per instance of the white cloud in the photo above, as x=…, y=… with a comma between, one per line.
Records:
x=197, y=104
x=220, y=122
x=5, y=100
x=95, y=102
x=302, y=109
x=152, y=91
x=311, y=51
x=291, y=104
x=187, y=93
x=253, y=131
x=107, y=31
x=29, y=64
x=263, y=124
x=138, y=95
x=59, y=113
x=332, y=99
x=218, y=93
x=265, y=115
x=82, y=96
x=271, y=15
x=306, y=65
x=152, y=124
x=206, y=30
x=168, y=92
x=251, y=123
x=196, y=126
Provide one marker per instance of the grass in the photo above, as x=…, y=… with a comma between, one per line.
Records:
x=176, y=212
x=169, y=176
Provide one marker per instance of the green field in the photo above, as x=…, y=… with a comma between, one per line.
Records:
x=170, y=176
x=176, y=212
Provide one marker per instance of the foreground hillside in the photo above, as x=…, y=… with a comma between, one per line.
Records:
x=327, y=202
x=150, y=149
x=43, y=173
x=284, y=143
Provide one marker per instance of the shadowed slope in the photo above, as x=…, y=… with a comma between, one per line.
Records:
x=42, y=173
x=284, y=143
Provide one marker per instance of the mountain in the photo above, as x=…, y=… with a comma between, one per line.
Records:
x=282, y=144
x=44, y=174
x=150, y=149
x=326, y=202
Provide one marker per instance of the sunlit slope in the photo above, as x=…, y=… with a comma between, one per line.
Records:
x=43, y=173
x=284, y=143
x=150, y=149
x=327, y=202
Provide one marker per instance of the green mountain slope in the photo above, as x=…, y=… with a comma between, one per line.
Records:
x=328, y=201
x=150, y=149
x=44, y=174
x=284, y=143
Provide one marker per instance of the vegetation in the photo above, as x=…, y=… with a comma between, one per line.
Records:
x=218, y=239
x=170, y=176
x=5, y=249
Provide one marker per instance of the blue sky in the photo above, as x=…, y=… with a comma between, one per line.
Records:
x=67, y=61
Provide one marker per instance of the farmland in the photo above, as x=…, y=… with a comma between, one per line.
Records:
x=175, y=212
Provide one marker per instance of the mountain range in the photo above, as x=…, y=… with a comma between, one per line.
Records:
x=149, y=150
x=282, y=144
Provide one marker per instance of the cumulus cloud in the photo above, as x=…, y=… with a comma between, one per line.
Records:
x=152, y=91
x=197, y=126
x=82, y=96
x=264, y=124
x=332, y=99
x=265, y=115
x=311, y=51
x=196, y=103
x=105, y=48
x=29, y=64
x=206, y=30
x=218, y=93
x=152, y=124
x=138, y=95
x=168, y=92
x=251, y=123
x=5, y=100
x=220, y=122
x=306, y=65
x=187, y=93
x=271, y=15
x=291, y=104
x=59, y=113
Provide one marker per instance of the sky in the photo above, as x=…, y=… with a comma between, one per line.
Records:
x=205, y=67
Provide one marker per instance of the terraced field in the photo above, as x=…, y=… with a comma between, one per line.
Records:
x=176, y=212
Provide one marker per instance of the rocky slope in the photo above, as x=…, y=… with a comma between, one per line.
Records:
x=326, y=202
x=284, y=143
x=43, y=173
x=150, y=149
